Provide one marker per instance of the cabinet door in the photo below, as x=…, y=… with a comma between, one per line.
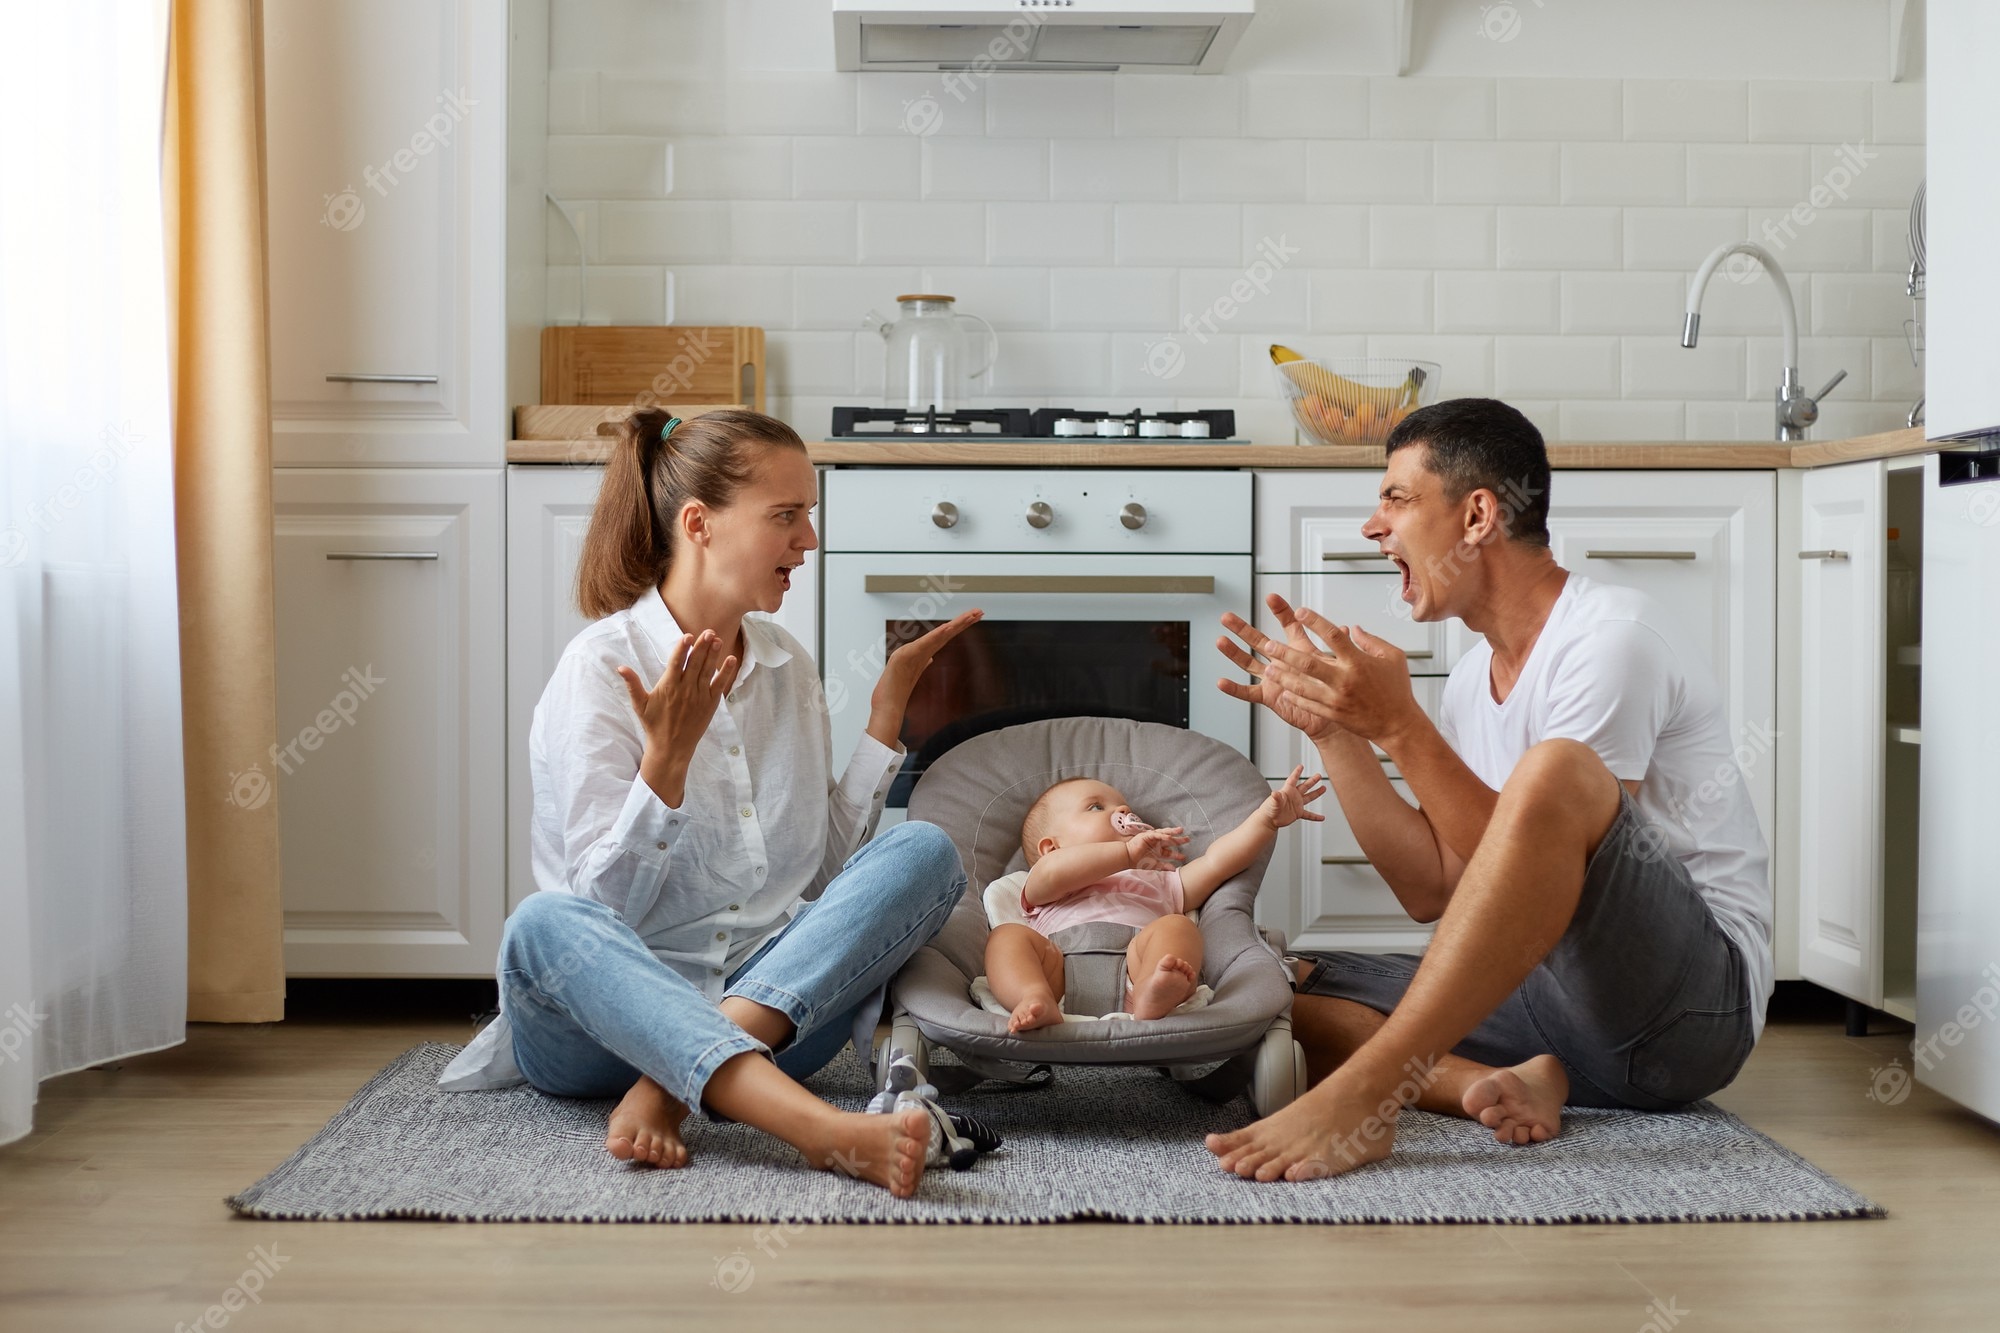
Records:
x=548, y=512
x=1842, y=713
x=1702, y=545
x=385, y=129
x=389, y=603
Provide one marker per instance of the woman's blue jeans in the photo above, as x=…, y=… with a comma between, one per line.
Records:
x=592, y=1008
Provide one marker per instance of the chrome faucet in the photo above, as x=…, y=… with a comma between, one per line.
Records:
x=1797, y=409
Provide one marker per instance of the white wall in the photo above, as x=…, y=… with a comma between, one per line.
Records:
x=1532, y=233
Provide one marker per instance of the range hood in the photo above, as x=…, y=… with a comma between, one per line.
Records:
x=1142, y=36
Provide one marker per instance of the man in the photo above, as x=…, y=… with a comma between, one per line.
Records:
x=1582, y=836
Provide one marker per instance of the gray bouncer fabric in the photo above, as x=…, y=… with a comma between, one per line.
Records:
x=980, y=792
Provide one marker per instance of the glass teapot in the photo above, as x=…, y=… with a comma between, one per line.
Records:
x=928, y=356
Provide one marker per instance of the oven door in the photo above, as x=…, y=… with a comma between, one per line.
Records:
x=1063, y=636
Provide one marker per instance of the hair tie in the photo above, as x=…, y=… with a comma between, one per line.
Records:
x=667, y=428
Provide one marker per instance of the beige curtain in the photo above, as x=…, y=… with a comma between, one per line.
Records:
x=214, y=167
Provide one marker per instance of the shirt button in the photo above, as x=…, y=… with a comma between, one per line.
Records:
x=746, y=812
x=721, y=934
x=736, y=749
x=735, y=907
x=661, y=845
x=715, y=971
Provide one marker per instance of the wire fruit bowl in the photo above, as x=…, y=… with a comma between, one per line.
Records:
x=1353, y=400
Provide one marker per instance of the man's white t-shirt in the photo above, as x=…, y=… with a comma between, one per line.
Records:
x=1610, y=670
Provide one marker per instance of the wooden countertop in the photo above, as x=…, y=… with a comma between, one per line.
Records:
x=1092, y=453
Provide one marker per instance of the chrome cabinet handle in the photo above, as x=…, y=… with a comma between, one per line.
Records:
x=945, y=514
x=1345, y=861
x=1639, y=555
x=1822, y=555
x=1040, y=515
x=1352, y=555
x=343, y=377
x=1418, y=655
x=381, y=555
x=1133, y=516
x=1202, y=585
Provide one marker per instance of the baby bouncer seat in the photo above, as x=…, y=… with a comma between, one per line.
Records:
x=979, y=793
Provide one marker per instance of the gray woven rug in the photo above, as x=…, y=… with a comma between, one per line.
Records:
x=1100, y=1144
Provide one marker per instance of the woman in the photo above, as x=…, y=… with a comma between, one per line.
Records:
x=702, y=903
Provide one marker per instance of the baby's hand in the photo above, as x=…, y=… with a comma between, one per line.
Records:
x=1288, y=803
x=1156, y=848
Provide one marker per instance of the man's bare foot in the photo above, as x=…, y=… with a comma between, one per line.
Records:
x=1162, y=993
x=1332, y=1129
x=1522, y=1104
x=885, y=1150
x=1035, y=1012
x=646, y=1127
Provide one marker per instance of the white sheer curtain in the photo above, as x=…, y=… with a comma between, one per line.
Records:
x=93, y=867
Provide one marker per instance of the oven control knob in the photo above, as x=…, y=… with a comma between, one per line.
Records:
x=1133, y=516
x=1040, y=515
x=945, y=515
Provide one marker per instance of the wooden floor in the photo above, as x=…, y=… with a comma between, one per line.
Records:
x=111, y=1219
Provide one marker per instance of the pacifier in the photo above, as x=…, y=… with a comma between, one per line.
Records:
x=1126, y=824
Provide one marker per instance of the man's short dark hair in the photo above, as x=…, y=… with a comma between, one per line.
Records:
x=1483, y=444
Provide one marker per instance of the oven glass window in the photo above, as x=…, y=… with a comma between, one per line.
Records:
x=1003, y=672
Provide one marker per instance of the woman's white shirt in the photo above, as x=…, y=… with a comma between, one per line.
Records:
x=761, y=826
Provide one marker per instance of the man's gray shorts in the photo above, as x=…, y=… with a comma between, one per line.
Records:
x=1643, y=999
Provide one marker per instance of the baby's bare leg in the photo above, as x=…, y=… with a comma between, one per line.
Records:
x=1026, y=974
x=1163, y=965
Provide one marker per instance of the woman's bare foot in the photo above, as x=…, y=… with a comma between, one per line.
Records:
x=646, y=1127
x=885, y=1150
x=1035, y=1012
x=1521, y=1104
x=1163, y=992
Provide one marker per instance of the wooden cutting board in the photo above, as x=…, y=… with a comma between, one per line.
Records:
x=607, y=365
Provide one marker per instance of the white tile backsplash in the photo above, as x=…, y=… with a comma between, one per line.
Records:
x=1533, y=235
x=1305, y=106
x=1226, y=169
x=1051, y=233
x=1560, y=109
x=903, y=233
x=1801, y=112
x=1161, y=106
x=1178, y=233
x=1687, y=110
x=969, y=168
x=1048, y=105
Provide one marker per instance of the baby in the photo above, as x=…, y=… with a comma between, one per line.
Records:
x=1091, y=859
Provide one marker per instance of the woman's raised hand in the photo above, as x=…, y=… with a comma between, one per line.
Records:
x=900, y=673
x=676, y=711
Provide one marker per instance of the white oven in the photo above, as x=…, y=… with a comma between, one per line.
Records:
x=1102, y=592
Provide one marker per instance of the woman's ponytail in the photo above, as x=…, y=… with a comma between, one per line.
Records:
x=649, y=480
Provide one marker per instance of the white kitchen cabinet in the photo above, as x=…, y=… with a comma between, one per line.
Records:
x=1850, y=800
x=1700, y=543
x=386, y=159
x=388, y=770
x=548, y=512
